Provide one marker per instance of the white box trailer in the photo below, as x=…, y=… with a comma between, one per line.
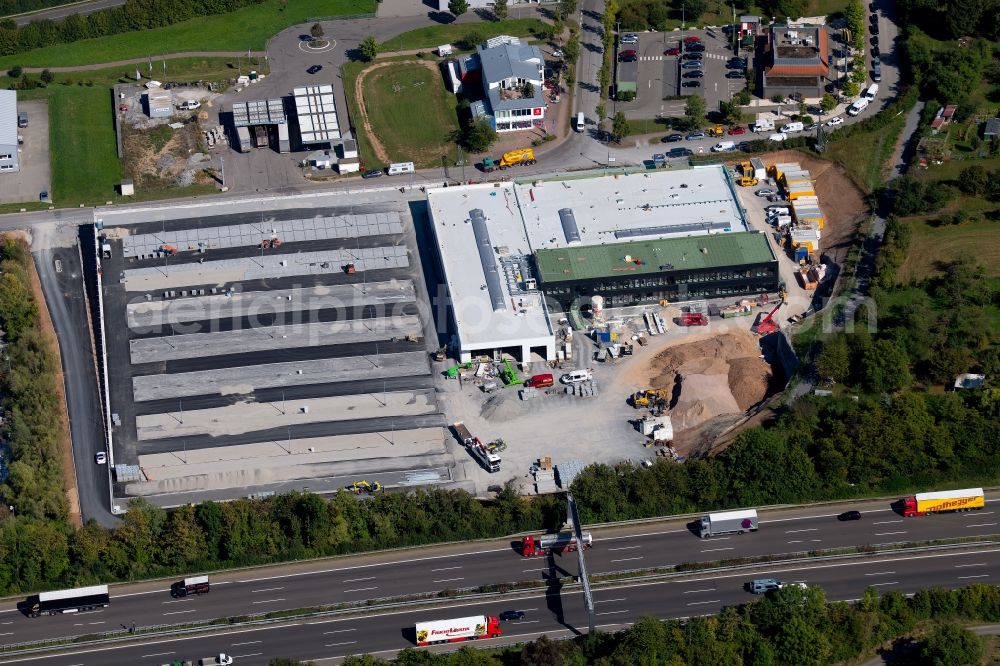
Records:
x=728, y=522
x=243, y=138
x=457, y=629
x=401, y=168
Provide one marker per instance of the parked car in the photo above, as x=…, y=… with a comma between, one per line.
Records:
x=736, y=63
x=44, y=197
x=693, y=64
x=766, y=192
x=692, y=40
x=810, y=128
x=739, y=129
x=694, y=136
x=694, y=74
x=629, y=38
x=777, y=136
x=101, y=458
x=680, y=152
x=694, y=48
x=874, y=28
x=672, y=138
x=691, y=83
x=557, y=53
x=628, y=56
x=873, y=17
x=849, y=515
x=833, y=122
x=693, y=56
x=875, y=51
x=314, y=69
x=509, y=615
x=735, y=74
x=372, y=173
x=672, y=51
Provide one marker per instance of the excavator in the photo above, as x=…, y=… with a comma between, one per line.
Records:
x=767, y=324
x=650, y=398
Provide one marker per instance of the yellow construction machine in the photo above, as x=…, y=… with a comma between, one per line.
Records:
x=650, y=398
x=746, y=176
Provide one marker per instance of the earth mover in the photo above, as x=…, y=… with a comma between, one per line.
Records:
x=650, y=398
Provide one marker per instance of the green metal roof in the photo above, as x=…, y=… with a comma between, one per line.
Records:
x=572, y=264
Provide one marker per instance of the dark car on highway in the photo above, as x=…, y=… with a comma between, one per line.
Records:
x=314, y=69
x=509, y=615
x=691, y=84
x=372, y=173
x=673, y=138
x=850, y=515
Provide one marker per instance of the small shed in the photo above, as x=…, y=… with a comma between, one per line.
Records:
x=992, y=129
x=127, y=187
x=159, y=103
x=348, y=165
x=969, y=381
x=349, y=149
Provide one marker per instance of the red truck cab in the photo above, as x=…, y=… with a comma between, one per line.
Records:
x=693, y=319
x=540, y=381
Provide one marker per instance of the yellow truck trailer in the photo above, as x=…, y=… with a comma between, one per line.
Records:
x=967, y=499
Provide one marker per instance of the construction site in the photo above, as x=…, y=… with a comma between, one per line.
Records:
x=264, y=352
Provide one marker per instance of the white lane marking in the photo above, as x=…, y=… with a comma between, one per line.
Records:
x=628, y=559
x=623, y=548
x=699, y=603
x=358, y=580
x=446, y=580
x=101, y=622
x=8, y=622
x=977, y=514
x=713, y=550
x=266, y=601
x=976, y=564
x=11, y=633
x=612, y=612
x=887, y=522
x=338, y=631
x=446, y=569
x=344, y=643
x=524, y=621
x=530, y=570
x=360, y=589
x=607, y=601
x=881, y=573
x=244, y=656
x=158, y=654
x=246, y=643
x=806, y=529
x=179, y=612
x=895, y=582
x=982, y=525
x=176, y=601
x=979, y=576
x=889, y=533
x=267, y=589
x=708, y=589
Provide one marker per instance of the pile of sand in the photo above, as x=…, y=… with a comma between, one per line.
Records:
x=709, y=378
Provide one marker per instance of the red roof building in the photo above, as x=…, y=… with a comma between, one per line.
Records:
x=798, y=61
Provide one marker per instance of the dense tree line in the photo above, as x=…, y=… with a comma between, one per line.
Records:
x=133, y=15
x=951, y=19
x=791, y=627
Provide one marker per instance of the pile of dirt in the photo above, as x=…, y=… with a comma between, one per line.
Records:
x=709, y=378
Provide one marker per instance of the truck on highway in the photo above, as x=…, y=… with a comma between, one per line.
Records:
x=457, y=630
x=728, y=522
x=967, y=499
x=68, y=601
x=192, y=585
x=521, y=156
x=563, y=542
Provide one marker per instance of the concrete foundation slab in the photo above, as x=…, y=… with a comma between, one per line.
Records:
x=228, y=381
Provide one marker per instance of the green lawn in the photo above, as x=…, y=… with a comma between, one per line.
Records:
x=929, y=245
x=411, y=113
x=864, y=154
x=247, y=28
x=178, y=69
x=433, y=36
x=85, y=166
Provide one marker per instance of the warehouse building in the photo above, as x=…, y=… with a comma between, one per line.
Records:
x=9, y=158
x=511, y=253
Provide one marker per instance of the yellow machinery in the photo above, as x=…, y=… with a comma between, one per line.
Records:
x=716, y=131
x=746, y=176
x=650, y=398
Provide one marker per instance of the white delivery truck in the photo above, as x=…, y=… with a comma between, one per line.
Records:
x=459, y=629
x=728, y=522
x=857, y=107
x=871, y=92
x=400, y=168
x=764, y=123
x=724, y=147
x=792, y=127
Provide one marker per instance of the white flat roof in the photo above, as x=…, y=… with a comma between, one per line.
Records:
x=8, y=118
x=523, y=317
x=317, y=114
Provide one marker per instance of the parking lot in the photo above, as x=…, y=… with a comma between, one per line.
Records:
x=35, y=175
x=659, y=76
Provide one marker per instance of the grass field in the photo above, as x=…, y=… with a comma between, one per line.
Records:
x=865, y=153
x=433, y=36
x=85, y=165
x=247, y=28
x=411, y=113
x=178, y=69
x=981, y=241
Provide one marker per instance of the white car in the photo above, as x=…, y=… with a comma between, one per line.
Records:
x=777, y=136
x=101, y=458
x=630, y=39
x=833, y=122
x=557, y=53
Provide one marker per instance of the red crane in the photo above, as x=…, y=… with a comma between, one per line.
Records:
x=767, y=325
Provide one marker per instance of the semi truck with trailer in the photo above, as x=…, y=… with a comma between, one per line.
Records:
x=479, y=451
x=562, y=542
x=728, y=522
x=457, y=630
x=69, y=601
x=945, y=501
x=192, y=585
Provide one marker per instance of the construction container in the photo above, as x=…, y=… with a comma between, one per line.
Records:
x=776, y=171
x=807, y=238
x=759, y=170
x=799, y=176
x=800, y=190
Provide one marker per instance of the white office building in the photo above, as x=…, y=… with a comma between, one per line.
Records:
x=9, y=159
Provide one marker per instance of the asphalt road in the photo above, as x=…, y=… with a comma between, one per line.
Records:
x=61, y=12
x=553, y=614
x=385, y=575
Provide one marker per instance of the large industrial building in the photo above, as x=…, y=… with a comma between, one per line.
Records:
x=511, y=252
x=9, y=158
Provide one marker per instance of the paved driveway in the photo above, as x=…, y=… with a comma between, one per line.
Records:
x=35, y=175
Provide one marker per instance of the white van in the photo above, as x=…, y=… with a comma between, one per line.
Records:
x=577, y=376
x=724, y=147
x=763, y=125
x=781, y=220
x=871, y=92
x=781, y=210
x=779, y=136
x=580, y=121
x=189, y=105
x=792, y=127
x=400, y=167
x=857, y=107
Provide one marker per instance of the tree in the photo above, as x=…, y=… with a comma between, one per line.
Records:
x=834, y=361
x=15, y=72
x=693, y=9
x=828, y=103
x=369, y=48
x=500, y=9
x=619, y=126
x=316, y=31
x=694, y=111
x=951, y=645
x=479, y=136
x=528, y=90
x=851, y=89
x=458, y=7
x=974, y=180
x=886, y=367
x=567, y=8
x=47, y=76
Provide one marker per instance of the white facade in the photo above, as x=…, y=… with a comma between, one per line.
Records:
x=9, y=158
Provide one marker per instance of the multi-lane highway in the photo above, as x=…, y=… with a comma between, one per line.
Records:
x=383, y=575
x=555, y=615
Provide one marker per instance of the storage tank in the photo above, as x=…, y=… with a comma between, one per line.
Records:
x=597, y=305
